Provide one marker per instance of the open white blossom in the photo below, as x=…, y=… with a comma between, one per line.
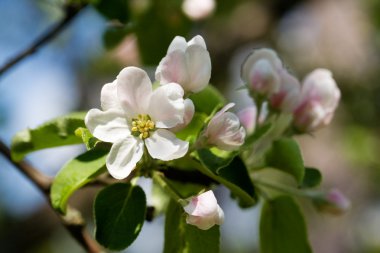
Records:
x=186, y=63
x=224, y=130
x=319, y=98
x=133, y=116
x=203, y=211
x=198, y=9
x=261, y=71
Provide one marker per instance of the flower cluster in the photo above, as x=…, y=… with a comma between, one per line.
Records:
x=312, y=104
x=135, y=117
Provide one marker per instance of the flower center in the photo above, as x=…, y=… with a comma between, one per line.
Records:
x=142, y=126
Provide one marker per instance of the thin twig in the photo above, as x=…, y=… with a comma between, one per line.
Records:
x=72, y=221
x=70, y=12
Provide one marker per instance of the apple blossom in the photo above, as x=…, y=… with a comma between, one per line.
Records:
x=188, y=116
x=247, y=117
x=224, y=130
x=198, y=9
x=319, y=99
x=261, y=71
x=203, y=211
x=333, y=202
x=286, y=99
x=133, y=116
x=186, y=63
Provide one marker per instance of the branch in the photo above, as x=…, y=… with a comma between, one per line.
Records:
x=73, y=221
x=71, y=11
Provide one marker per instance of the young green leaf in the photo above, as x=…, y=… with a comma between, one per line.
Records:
x=312, y=178
x=119, y=215
x=88, y=139
x=54, y=133
x=285, y=155
x=230, y=172
x=282, y=227
x=191, y=131
x=183, y=238
x=74, y=174
x=207, y=100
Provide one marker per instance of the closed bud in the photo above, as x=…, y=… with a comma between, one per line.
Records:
x=286, y=99
x=261, y=72
x=224, y=130
x=333, y=202
x=203, y=211
x=319, y=99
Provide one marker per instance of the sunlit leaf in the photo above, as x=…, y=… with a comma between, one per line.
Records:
x=54, y=133
x=74, y=174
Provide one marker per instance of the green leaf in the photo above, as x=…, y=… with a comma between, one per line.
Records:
x=207, y=100
x=54, y=133
x=119, y=215
x=282, y=227
x=191, y=131
x=260, y=132
x=230, y=172
x=88, y=139
x=74, y=174
x=183, y=238
x=285, y=155
x=312, y=178
x=113, y=9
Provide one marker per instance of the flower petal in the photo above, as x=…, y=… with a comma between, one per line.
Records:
x=197, y=40
x=178, y=43
x=164, y=145
x=199, y=68
x=123, y=157
x=167, y=107
x=204, y=204
x=109, y=126
x=134, y=89
x=173, y=69
x=108, y=97
x=188, y=116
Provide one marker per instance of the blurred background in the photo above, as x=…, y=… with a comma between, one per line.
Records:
x=68, y=73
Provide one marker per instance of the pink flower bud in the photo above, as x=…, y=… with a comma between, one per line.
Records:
x=203, y=211
x=247, y=117
x=333, y=202
x=224, y=130
x=261, y=71
x=319, y=99
x=286, y=99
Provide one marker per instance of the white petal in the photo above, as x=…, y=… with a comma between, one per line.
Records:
x=198, y=67
x=134, y=89
x=173, y=69
x=219, y=219
x=178, y=43
x=108, y=97
x=109, y=126
x=163, y=145
x=123, y=157
x=204, y=204
x=167, y=107
x=189, y=114
x=198, y=40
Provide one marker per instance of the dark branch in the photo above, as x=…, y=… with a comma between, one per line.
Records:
x=72, y=221
x=70, y=12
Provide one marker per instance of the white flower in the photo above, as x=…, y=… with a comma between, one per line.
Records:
x=286, y=99
x=134, y=115
x=187, y=64
x=247, y=118
x=319, y=98
x=198, y=9
x=224, y=130
x=188, y=116
x=261, y=71
x=203, y=211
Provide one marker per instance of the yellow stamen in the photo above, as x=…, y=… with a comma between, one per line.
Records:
x=142, y=126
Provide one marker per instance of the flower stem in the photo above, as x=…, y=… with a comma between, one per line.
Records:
x=286, y=189
x=159, y=178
